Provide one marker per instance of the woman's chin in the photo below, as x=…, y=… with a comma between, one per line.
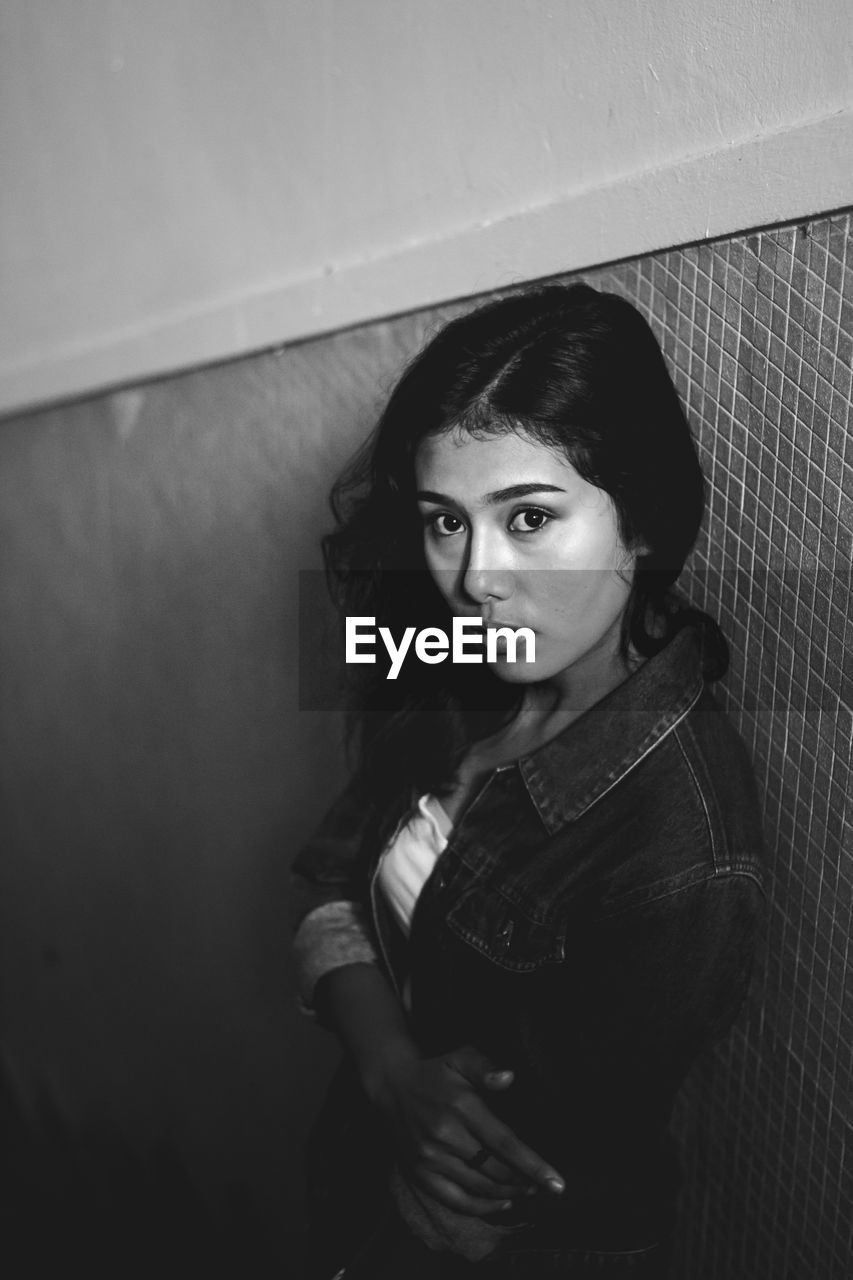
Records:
x=514, y=672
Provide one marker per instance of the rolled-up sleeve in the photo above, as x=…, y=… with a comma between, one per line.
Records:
x=330, y=916
x=330, y=936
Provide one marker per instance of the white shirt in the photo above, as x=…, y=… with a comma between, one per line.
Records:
x=410, y=856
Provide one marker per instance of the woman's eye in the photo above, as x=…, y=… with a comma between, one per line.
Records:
x=528, y=520
x=445, y=524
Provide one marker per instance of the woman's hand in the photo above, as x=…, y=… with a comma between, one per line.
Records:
x=446, y=1138
x=448, y=1141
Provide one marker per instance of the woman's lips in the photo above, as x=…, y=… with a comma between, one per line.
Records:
x=499, y=622
x=502, y=642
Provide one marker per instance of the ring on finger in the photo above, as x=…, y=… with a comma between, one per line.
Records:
x=479, y=1158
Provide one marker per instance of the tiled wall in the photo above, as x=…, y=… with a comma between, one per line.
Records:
x=759, y=333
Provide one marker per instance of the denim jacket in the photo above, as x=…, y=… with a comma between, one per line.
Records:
x=589, y=925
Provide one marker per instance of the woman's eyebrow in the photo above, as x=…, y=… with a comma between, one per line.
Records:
x=497, y=495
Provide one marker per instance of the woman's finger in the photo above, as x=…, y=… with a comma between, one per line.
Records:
x=477, y=1069
x=475, y=1181
x=453, y=1140
x=449, y=1193
x=500, y=1140
x=500, y=1172
x=482, y=1160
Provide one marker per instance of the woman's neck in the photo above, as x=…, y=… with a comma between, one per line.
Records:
x=545, y=710
x=568, y=696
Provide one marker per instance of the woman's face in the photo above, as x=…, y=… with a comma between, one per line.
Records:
x=515, y=536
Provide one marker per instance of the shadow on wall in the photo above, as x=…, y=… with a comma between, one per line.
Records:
x=157, y=778
x=87, y=1200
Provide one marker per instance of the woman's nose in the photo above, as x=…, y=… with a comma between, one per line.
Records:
x=486, y=575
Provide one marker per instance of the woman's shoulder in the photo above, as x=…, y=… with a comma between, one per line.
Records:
x=698, y=801
x=722, y=771
x=686, y=814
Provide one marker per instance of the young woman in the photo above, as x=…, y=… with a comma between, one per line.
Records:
x=535, y=903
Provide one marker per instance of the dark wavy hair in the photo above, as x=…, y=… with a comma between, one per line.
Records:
x=578, y=370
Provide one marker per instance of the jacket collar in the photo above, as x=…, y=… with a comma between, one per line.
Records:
x=575, y=769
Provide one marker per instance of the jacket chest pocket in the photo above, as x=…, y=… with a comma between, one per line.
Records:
x=500, y=931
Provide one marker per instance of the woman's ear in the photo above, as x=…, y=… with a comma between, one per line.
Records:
x=636, y=552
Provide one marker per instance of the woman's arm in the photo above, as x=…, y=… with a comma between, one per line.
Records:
x=328, y=903
x=433, y=1107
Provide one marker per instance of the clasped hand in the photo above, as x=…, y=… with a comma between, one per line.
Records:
x=439, y=1123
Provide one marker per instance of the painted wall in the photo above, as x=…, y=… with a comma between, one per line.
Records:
x=156, y=777
x=189, y=179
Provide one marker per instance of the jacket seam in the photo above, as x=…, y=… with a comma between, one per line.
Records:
x=712, y=877
x=701, y=794
x=616, y=777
